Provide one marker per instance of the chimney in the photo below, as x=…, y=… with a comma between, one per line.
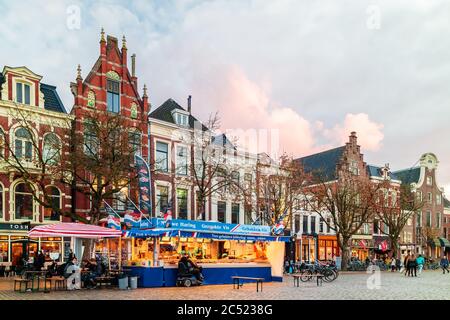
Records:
x=133, y=71
x=353, y=139
x=189, y=104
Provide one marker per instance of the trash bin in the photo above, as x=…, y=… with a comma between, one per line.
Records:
x=123, y=282
x=133, y=282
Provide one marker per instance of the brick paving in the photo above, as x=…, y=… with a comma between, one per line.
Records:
x=430, y=285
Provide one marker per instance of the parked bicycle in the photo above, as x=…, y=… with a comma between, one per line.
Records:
x=329, y=273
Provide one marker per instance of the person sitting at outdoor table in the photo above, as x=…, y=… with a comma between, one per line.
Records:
x=88, y=278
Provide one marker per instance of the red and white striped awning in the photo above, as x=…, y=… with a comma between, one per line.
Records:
x=69, y=229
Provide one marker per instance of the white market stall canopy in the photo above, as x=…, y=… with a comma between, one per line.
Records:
x=78, y=230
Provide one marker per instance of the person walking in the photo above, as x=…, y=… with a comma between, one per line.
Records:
x=412, y=266
x=420, y=261
x=444, y=264
x=406, y=264
x=393, y=264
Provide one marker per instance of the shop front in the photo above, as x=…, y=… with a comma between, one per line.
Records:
x=361, y=245
x=328, y=247
x=306, y=248
x=223, y=250
x=15, y=245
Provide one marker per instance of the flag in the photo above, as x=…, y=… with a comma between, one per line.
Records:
x=279, y=226
x=362, y=243
x=132, y=218
x=168, y=215
x=143, y=170
x=113, y=222
x=384, y=245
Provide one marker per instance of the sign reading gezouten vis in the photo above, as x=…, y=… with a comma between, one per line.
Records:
x=15, y=226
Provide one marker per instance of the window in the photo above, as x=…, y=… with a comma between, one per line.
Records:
x=23, y=200
x=235, y=177
x=119, y=201
x=354, y=168
x=248, y=219
x=113, y=94
x=313, y=224
x=297, y=224
x=162, y=156
x=91, y=143
x=429, y=181
x=23, y=144
x=305, y=224
x=55, y=201
x=376, y=227
x=134, y=139
x=221, y=211
x=429, y=219
x=328, y=225
x=419, y=196
x=22, y=93
x=235, y=213
x=438, y=220
x=180, y=118
x=162, y=198
x=419, y=219
x=182, y=160
x=366, y=227
x=321, y=225
x=438, y=199
x=182, y=203
x=445, y=232
x=430, y=197
x=52, y=147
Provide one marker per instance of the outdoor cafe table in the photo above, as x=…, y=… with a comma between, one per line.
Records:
x=37, y=275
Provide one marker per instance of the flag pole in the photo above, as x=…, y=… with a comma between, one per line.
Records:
x=114, y=211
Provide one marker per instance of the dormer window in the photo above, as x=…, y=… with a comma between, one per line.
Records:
x=113, y=94
x=22, y=93
x=180, y=118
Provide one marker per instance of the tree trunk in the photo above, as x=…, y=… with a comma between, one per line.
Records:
x=395, y=247
x=345, y=255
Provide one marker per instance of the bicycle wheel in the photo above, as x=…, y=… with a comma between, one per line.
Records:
x=328, y=275
x=306, y=276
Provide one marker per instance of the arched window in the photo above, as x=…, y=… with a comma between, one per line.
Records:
x=52, y=147
x=55, y=201
x=23, y=144
x=23, y=200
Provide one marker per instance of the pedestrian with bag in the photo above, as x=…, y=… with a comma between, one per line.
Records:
x=406, y=264
x=412, y=266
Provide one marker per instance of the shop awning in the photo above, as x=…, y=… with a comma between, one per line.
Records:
x=70, y=229
x=435, y=242
x=169, y=232
x=444, y=242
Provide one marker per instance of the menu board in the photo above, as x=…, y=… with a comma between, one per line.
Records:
x=66, y=250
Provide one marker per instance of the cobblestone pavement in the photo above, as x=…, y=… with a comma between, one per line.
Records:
x=430, y=285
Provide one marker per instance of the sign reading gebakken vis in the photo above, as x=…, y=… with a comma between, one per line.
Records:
x=212, y=226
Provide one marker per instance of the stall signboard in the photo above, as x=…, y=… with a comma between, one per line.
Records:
x=217, y=227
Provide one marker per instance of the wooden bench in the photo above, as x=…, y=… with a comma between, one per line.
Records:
x=237, y=281
x=58, y=283
x=21, y=282
x=319, y=278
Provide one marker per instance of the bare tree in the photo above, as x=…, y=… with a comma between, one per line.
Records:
x=349, y=202
x=214, y=169
x=395, y=209
x=100, y=162
x=36, y=162
x=279, y=185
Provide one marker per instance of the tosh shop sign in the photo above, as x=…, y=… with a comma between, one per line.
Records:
x=14, y=226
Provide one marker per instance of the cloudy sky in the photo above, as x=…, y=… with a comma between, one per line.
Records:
x=310, y=71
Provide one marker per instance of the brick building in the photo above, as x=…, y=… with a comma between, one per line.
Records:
x=111, y=87
x=33, y=121
x=426, y=226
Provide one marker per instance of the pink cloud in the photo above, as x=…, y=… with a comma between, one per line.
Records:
x=370, y=135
